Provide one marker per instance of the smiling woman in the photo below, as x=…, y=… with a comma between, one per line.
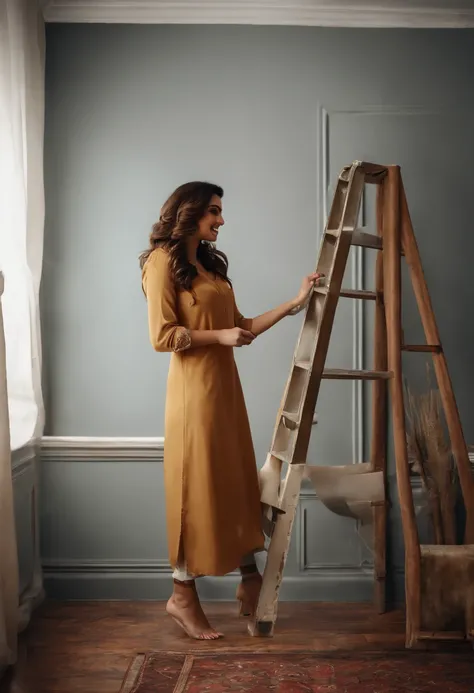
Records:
x=211, y=482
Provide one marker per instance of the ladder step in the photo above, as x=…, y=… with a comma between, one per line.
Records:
x=359, y=293
x=373, y=172
x=359, y=238
x=305, y=365
x=425, y=348
x=291, y=416
x=344, y=374
x=341, y=374
x=349, y=293
x=362, y=239
x=283, y=456
x=366, y=240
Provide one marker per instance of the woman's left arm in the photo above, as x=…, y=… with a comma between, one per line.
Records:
x=263, y=322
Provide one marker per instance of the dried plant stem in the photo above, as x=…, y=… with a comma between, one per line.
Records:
x=432, y=460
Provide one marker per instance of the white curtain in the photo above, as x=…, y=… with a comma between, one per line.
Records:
x=21, y=251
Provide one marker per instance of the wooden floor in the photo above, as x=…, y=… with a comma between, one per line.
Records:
x=85, y=647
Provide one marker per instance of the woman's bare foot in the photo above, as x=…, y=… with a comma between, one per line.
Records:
x=185, y=608
x=248, y=592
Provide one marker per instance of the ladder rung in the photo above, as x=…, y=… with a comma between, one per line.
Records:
x=359, y=238
x=283, y=456
x=291, y=416
x=349, y=293
x=425, y=348
x=366, y=240
x=362, y=239
x=359, y=293
x=341, y=374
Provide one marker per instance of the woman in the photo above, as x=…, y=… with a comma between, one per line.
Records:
x=211, y=483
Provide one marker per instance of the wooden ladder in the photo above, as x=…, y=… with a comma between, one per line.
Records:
x=359, y=490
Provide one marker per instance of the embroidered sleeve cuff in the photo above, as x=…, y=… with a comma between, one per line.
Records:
x=183, y=340
x=296, y=309
x=301, y=306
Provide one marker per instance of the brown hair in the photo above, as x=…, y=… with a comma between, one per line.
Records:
x=178, y=221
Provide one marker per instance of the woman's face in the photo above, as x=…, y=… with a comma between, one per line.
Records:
x=208, y=227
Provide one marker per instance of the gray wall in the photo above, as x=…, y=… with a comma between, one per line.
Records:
x=271, y=114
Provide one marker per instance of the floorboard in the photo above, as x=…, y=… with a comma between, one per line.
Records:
x=86, y=647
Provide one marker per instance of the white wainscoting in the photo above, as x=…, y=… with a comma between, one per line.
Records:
x=103, y=530
x=25, y=478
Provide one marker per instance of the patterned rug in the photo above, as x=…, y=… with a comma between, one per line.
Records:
x=287, y=672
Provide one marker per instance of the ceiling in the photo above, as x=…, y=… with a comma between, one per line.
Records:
x=343, y=13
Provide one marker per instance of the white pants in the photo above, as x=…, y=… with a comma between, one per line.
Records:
x=180, y=573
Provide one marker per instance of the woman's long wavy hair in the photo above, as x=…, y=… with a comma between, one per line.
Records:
x=179, y=218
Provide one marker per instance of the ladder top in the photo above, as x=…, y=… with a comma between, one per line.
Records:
x=374, y=173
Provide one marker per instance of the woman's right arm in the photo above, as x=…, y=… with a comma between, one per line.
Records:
x=166, y=334
x=234, y=337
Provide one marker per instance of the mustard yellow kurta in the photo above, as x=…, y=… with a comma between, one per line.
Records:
x=211, y=482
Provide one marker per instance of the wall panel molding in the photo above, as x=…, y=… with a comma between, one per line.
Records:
x=359, y=569
x=114, y=571
x=326, y=188
x=345, y=13
x=92, y=566
x=86, y=448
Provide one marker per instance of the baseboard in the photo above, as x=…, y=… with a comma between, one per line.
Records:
x=151, y=580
